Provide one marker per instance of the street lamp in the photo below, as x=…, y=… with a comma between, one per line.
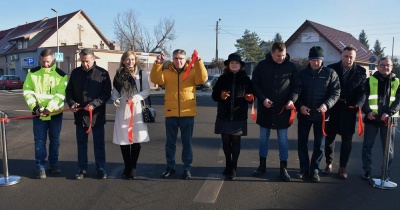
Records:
x=58, y=47
x=216, y=43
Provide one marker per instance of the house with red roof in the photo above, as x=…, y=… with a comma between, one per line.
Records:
x=331, y=40
x=20, y=46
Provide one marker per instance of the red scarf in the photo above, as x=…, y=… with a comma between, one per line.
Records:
x=130, y=127
x=195, y=56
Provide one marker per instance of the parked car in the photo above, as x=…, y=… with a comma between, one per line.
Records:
x=214, y=80
x=10, y=82
x=207, y=85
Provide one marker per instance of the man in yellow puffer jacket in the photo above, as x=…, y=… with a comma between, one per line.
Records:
x=180, y=105
x=44, y=92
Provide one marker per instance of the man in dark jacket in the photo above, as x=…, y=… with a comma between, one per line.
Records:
x=343, y=114
x=273, y=81
x=88, y=90
x=382, y=91
x=319, y=89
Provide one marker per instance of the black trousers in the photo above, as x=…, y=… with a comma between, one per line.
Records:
x=345, y=149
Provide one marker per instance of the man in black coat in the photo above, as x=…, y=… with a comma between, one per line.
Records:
x=89, y=89
x=343, y=114
x=273, y=81
x=319, y=89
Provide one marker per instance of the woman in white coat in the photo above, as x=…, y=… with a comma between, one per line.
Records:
x=129, y=128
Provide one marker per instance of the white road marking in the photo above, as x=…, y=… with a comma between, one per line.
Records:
x=209, y=191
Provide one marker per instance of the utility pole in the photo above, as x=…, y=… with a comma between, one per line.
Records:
x=216, y=44
x=392, y=47
x=58, y=46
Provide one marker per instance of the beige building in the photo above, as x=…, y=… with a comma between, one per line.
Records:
x=20, y=47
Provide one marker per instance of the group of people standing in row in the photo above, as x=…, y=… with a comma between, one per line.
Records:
x=319, y=93
x=328, y=99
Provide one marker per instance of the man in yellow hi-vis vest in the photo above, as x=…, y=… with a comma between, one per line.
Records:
x=44, y=92
x=383, y=101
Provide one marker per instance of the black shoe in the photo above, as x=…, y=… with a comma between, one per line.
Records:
x=168, y=171
x=81, y=174
x=186, y=174
x=315, y=177
x=41, y=174
x=101, y=174
x=227, y=171
x=367, y=175
x=328, y=169
x=302, y=175
x=125, y=176
x=262, y=168
x=54, y=169
x=285, y=175
x=132, y=174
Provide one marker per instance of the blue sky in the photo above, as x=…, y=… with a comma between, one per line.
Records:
x=195, y=21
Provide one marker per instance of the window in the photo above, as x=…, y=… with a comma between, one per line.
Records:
x=22, y=44
x=19, y=45
x=25, y=44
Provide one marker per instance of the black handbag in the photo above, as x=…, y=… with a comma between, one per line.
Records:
x=149, y=114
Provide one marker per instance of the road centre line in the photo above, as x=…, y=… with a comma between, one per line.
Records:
x=209, y=191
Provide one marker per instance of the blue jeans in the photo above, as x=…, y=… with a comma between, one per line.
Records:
x=98, y=146
x=40, y=130
x=282, y=140
x=304, y=127
x=185, y=124
x=371, y=130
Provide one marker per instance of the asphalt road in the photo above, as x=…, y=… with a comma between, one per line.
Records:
x=206, y=190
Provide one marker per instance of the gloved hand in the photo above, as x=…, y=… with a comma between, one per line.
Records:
x=249, y=97
x=225, y=95
x=117, y=103
x=37, y=109
x=74, y=107
x=45, y=113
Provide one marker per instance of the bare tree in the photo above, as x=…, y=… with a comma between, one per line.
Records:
x=127, y=29
x=164, y=33
x=131, y=34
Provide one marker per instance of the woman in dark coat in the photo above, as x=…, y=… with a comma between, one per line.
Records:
x=233, y=92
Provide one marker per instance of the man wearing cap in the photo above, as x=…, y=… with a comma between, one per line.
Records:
x=318, y=89
x=273, y=80
x=342, y=119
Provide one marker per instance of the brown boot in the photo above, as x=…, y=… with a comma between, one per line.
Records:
x=342, y=173
x=328, y=169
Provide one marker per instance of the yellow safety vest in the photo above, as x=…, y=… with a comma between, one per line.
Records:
x=373, y=95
